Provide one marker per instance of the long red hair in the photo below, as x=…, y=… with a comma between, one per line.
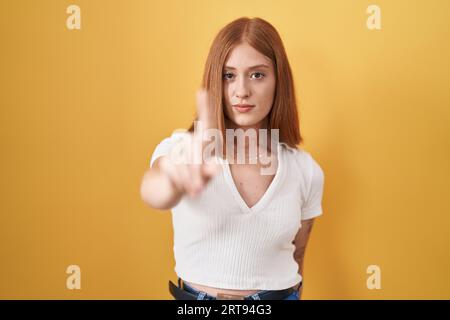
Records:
x=262, y=36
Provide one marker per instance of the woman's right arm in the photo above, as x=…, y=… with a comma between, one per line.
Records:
x=157, y=190
x=167, y=181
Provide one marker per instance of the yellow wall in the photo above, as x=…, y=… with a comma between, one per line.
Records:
x=82, y=110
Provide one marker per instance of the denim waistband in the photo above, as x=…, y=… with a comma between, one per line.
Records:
x=205, y=296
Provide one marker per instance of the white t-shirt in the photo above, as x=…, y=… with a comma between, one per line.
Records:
x=220, y=242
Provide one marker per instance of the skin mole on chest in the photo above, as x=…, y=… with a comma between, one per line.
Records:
x=251, y=184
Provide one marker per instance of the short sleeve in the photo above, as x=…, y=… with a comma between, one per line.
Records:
x=312, y=207
x=164, y=147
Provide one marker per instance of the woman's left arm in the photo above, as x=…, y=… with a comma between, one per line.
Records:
x=300, y=242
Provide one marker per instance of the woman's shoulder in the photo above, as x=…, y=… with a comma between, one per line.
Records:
x=167, y=143
x=301, y=159
x=296, y=153
x=174, y=137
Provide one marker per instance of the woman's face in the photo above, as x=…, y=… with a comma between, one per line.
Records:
x=249, y=79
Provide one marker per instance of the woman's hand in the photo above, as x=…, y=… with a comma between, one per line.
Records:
x=185, y=166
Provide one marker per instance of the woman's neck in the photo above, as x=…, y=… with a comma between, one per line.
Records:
x=251, y=139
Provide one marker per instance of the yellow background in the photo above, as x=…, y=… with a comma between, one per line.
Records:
x=82, y=111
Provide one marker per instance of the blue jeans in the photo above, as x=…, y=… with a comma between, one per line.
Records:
x=205, y=296
x=292, y=296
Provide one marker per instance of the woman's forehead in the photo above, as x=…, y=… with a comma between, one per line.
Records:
x=245, y=57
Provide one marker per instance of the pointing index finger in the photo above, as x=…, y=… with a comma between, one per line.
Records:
x=206, y=116
x=205, y=111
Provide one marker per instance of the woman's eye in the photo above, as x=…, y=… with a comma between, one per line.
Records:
x=258, y=75
x=228, y=76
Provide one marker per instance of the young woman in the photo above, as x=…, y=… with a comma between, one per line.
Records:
x=239, y=233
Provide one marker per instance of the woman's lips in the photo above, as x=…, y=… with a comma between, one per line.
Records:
x=243, y=107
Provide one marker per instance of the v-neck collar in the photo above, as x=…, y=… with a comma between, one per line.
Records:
x=264, y=200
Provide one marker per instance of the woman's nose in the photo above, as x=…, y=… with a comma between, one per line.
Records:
x=242, y=90
x=241, y=95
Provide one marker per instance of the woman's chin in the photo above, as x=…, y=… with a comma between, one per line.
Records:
x=244, y=121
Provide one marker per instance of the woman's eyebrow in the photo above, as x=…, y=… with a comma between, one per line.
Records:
x=250, y=68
